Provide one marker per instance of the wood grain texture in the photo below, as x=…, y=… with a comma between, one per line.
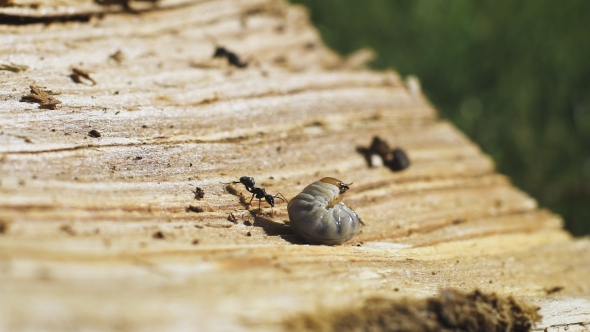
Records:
x=96, y=232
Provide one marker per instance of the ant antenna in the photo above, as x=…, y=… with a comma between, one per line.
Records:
x=280, y=196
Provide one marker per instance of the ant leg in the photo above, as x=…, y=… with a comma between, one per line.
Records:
x=249, y=203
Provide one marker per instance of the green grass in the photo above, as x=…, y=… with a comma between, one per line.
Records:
x=513, y=75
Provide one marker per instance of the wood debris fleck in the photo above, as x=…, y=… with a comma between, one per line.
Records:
x=43, y=98
x=232, y=58
x=196, y=209
x=199, y=193
x=78, y=74
x=94, y=133
x=118, y=56
x=3, y=227
x=13, y=67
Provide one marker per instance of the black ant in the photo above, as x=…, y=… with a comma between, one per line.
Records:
x=259, y=193
x=400, y=160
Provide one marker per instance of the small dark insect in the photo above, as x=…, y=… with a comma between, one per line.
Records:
x=158, y=235
x=199, y=193
x=232, y=58
x=379, y=147
x=94, y=133
x=41, y=97
x=368, y=153
x=77, y=75
x=395, y=159
x=400, y=160
x=260, y=193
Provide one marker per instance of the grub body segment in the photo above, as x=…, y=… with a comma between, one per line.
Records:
x=318, y=215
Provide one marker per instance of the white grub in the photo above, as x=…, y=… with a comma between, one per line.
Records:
x=318, y=215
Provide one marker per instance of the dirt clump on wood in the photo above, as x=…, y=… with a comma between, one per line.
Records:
x=451, y=310
x=3, y=227
x=43, y=98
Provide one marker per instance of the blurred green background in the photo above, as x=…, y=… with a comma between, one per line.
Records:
x=513, y=75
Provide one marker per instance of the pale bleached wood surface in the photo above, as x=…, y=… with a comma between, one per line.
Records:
x=96, y=233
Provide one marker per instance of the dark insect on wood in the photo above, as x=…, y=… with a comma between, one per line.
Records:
x=395, y=159
x=260, y=193
x=380, y=147
x=232, y=58
x=400, y=160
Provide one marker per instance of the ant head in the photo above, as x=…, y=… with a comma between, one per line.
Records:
x=270, y=200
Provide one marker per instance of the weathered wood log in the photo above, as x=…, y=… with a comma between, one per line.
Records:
x=101, y=228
